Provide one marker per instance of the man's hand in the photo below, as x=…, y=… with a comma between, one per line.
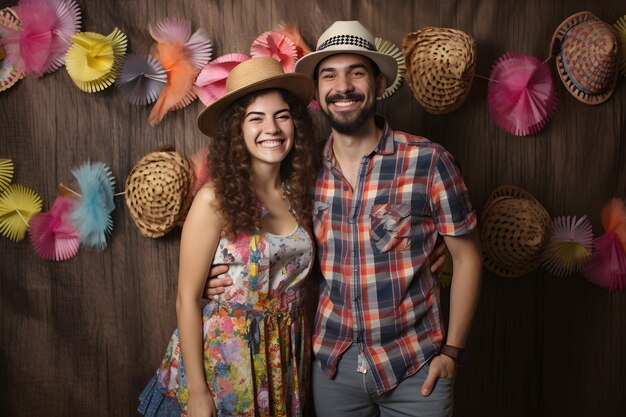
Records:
x=215, y=285
x=441, y=366
x=438, y=256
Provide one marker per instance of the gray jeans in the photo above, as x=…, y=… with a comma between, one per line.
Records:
x=348, y=393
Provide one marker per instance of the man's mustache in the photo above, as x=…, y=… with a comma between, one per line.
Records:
x=349, y=96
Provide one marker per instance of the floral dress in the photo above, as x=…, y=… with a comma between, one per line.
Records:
x=256, y=334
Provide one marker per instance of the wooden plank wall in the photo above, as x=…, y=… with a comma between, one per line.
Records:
x=82, y=337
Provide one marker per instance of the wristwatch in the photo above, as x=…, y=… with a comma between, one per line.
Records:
x=459, y=355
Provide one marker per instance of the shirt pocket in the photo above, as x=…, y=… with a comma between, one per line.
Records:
x=390, y=227
x=320, y=221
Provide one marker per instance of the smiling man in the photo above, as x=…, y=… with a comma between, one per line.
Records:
x=381, y=199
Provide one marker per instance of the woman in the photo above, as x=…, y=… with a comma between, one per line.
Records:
x=248, y=352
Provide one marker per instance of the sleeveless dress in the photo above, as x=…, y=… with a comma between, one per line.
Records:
x=257, y=352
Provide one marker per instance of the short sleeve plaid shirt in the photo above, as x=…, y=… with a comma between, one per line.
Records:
x=373, y=247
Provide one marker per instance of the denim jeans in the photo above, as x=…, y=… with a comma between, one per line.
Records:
x=353, y=394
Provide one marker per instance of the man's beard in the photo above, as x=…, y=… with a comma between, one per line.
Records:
x=348, y=127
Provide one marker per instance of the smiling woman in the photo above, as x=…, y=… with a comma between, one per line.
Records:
x=247, y=352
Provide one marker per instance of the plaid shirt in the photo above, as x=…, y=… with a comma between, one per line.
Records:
x=373, y=247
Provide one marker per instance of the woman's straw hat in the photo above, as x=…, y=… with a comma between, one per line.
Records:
x=157, y=192
x=513, y=229
x=253, y=75
x=440, y=66
x=586, y=51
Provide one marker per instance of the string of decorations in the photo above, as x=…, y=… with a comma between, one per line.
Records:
x=39, y=36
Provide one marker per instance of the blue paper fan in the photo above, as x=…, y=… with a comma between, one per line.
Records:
x=92, y=215
x=141, y=79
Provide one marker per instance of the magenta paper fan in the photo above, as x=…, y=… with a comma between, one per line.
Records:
x=522, y=96
x=211, y=82
x=607, y=266
x=277, y=46
x=47, y=26
x=52, y=234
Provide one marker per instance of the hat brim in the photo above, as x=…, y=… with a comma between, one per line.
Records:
x=386, y=63
x=298, y=84
x=555, y=51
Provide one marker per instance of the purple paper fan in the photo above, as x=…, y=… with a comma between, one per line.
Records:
x=141, y=79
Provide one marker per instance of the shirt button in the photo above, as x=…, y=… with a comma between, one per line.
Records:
x=345, y=188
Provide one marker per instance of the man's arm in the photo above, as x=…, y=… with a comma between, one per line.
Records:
x=215, y=285
x=464, y=293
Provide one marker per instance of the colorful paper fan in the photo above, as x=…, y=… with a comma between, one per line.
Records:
x=6, y=173
x=614, y=219
x=92, y=214
x=17, y=205
x=93, y=60
x=9, y=75
x=141, y=79
x=211, y=82
x=47, y=26
x=277, y=46
x=522, y=96
x=182, y=56
x=292, y=32
x=607, y=266
x=178, y=31
x=569, y=247
x=620, y=25
x=392, y=50
x=52, y=234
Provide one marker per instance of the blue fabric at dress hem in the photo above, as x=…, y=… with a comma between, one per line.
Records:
x=152, y=402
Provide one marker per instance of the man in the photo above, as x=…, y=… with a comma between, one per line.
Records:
x=381, y=199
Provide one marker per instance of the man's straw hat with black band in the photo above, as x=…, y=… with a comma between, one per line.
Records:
x=586, y=51
x=348, y=37
x=253, y=75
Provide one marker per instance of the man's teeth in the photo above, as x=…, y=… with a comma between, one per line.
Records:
x=344, y=103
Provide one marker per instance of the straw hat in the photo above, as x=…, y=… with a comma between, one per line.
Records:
x=586, y=51
x=348, y=37
x=253, y=75
x=513, y=229
x=440, y=67
x=158, y=193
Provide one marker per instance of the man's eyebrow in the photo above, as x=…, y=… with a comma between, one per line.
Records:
x=350, y=67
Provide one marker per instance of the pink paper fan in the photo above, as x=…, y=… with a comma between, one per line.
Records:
x=211, y=82
x=522, y=96
x=52, y=234
x=607, y=266
x=47, y=26
x=292, y=32
x=277, y=46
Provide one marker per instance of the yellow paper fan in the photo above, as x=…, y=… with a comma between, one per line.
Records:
x=93, y=60
x=6, y=173
x=17, y=205
x=620, y=25
x=392, y=50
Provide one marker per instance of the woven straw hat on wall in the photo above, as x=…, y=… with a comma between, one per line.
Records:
x=586, y=51
x=158, y=192
x=513, y=229
x=440, y=67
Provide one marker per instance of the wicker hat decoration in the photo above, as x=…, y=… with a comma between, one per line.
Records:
x=514, y=227
x=158, y=192
x=586, y=51
x=440, y=67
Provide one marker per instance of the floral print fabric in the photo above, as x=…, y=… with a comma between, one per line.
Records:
x=256, y=334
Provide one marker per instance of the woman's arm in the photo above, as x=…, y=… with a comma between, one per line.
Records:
x=200, y=237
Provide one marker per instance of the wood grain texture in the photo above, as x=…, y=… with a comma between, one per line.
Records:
x=82, y=337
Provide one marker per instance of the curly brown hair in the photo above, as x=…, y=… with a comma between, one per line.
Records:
x=231, y=172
